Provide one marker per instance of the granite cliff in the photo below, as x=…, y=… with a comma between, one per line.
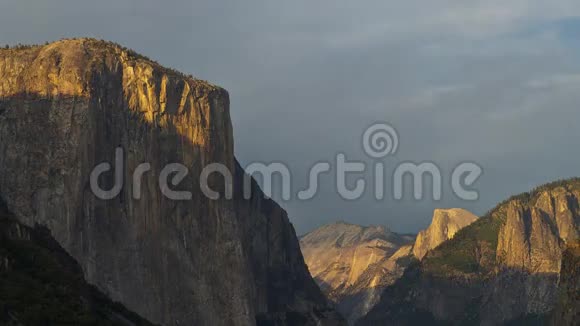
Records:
x=567, y=312
x=501, y=269
x=353, y=264
x=444, y=225
x=40, y=284
x=347, y=262
x=65, y=108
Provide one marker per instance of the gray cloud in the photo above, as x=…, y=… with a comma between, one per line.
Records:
x=489, y=81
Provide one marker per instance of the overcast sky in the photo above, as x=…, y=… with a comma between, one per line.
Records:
x=494, y=82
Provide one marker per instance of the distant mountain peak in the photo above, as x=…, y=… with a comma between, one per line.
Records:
x=504, y=268
x=346, y=234
x=444, y=225
x=354, y=263
x=349, y=261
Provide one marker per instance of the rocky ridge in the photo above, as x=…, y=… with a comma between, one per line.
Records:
x=354, y=264
x=340, y=257
x=501, y=269
x=444, y=225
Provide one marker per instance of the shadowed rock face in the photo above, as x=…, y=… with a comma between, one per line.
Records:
x=353, y=264
x=40, y=284
x=66, y=107
x=567, y=312
x=502, y=268
x=445, y=223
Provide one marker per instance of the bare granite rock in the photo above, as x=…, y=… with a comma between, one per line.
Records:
x=41, y=284
x=567, y=312
x=501, y=269
x=444, y=225
x=353, y=264
x=65, y=107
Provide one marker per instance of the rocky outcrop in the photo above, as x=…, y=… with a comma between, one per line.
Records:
x=503, y=268
x=529, y=240
x=567, y=312
x=40, y=284
x=353, y=264
x=65, y=108
x=359, y=298
x=444, y=225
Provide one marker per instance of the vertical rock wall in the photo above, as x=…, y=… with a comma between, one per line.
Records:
x=66, y=107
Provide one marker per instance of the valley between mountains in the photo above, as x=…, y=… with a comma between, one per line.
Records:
x=355, y=264
x=505, y=268
x=70, y=258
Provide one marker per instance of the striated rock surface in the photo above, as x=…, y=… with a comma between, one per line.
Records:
x=359, y=298
x=65, y=107
x=445, y=223
x=567, y=312
x=40, y=284
x=353, y=264
x=501, y=269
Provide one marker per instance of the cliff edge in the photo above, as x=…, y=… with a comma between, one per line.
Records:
x=65, y=108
